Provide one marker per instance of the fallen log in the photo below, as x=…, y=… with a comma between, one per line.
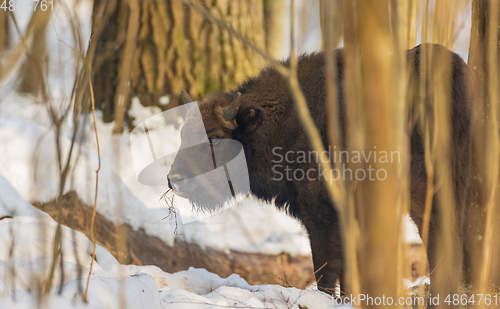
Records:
x=144, y=249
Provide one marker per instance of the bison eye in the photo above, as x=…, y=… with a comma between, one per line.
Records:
x=214, y=141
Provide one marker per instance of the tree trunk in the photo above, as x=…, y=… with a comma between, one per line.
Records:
x=4, y=33
x=125, y=65
x=275, y=12
x=329, y=15
x=175, y=48
x=34, y=68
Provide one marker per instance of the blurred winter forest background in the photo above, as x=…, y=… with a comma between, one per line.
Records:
x=78, y=227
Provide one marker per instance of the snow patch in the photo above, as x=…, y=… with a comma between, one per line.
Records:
x=26, y=259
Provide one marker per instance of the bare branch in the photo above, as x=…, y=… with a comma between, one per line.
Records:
x=92, y=238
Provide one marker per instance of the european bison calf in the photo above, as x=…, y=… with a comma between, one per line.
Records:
x=260, y=114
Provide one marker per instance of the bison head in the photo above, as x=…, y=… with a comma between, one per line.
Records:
x=210, y=167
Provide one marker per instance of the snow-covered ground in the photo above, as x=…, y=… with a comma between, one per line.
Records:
x=26, y=256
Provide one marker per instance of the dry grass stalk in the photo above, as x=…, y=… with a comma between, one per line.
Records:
x=375, y=96
x=92, y=238
x=488, y=272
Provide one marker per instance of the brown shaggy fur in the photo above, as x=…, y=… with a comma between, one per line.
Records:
x=267, y=119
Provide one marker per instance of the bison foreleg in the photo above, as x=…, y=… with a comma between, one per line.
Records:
x=321, y=222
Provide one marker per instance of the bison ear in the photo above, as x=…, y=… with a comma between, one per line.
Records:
x=250, y=118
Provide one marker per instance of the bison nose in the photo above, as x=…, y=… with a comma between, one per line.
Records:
x=168, y=181
x=174, y=181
